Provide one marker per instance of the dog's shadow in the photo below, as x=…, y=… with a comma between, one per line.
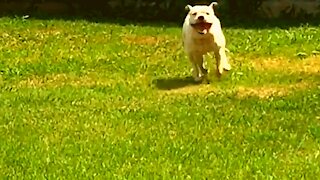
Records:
x=174, y=83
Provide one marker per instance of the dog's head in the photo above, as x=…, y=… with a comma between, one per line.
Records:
x=201, y=17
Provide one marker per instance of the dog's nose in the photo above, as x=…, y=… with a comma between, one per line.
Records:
x=201, y=18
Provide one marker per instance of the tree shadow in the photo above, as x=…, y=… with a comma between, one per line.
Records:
x=174, y=83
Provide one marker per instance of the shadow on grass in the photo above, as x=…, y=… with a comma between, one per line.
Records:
x=174, y=83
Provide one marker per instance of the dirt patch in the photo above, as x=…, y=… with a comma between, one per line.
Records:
x=144, y=40
x=310, y=65
x=59, y=80
x=264, y=92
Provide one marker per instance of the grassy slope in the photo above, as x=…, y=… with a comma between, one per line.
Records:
x=81, y=99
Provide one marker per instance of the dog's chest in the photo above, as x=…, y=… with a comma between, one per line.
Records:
x=203, y=44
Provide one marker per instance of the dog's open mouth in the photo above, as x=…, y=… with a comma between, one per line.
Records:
x=202, y=27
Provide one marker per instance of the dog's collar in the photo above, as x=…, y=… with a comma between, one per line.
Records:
x=201, y=33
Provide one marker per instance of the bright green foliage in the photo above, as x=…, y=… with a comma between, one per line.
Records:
x=84, y=100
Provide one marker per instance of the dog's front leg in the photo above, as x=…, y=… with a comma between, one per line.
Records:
x=197, y=61
x=220, y=51
x=203, y=71
x=218, y=60
x=222, y=60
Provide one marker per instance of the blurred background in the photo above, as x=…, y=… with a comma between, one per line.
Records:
x=163, y=10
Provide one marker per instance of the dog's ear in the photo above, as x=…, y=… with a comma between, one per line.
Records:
x=188, y=7
x=213, y=4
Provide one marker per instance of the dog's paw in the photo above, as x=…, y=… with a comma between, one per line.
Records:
x=204, y=72
x=197, y=79
x=220, y=69
x=227, y=67
x=205, y=80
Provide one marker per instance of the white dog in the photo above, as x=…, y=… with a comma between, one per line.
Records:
x=202, y=34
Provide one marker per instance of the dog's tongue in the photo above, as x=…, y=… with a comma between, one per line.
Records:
x=204, y=26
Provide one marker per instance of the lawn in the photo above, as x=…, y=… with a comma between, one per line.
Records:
x=87, y=100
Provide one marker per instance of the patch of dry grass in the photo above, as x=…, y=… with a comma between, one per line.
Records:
x=58, y=80
x=202, y=89
x=144, y=40
x=267, y=91
x=310, y=65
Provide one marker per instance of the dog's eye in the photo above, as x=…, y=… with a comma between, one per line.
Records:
x=193, y=14
x=208, y=13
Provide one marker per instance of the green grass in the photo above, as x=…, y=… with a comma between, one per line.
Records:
x=88, y=100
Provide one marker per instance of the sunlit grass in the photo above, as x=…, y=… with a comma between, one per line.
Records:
x=81, y=99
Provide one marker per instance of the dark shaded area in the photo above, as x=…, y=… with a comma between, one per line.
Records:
x=225, y=22
x=174, y=83
x=157, y=13
x=281, y=23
